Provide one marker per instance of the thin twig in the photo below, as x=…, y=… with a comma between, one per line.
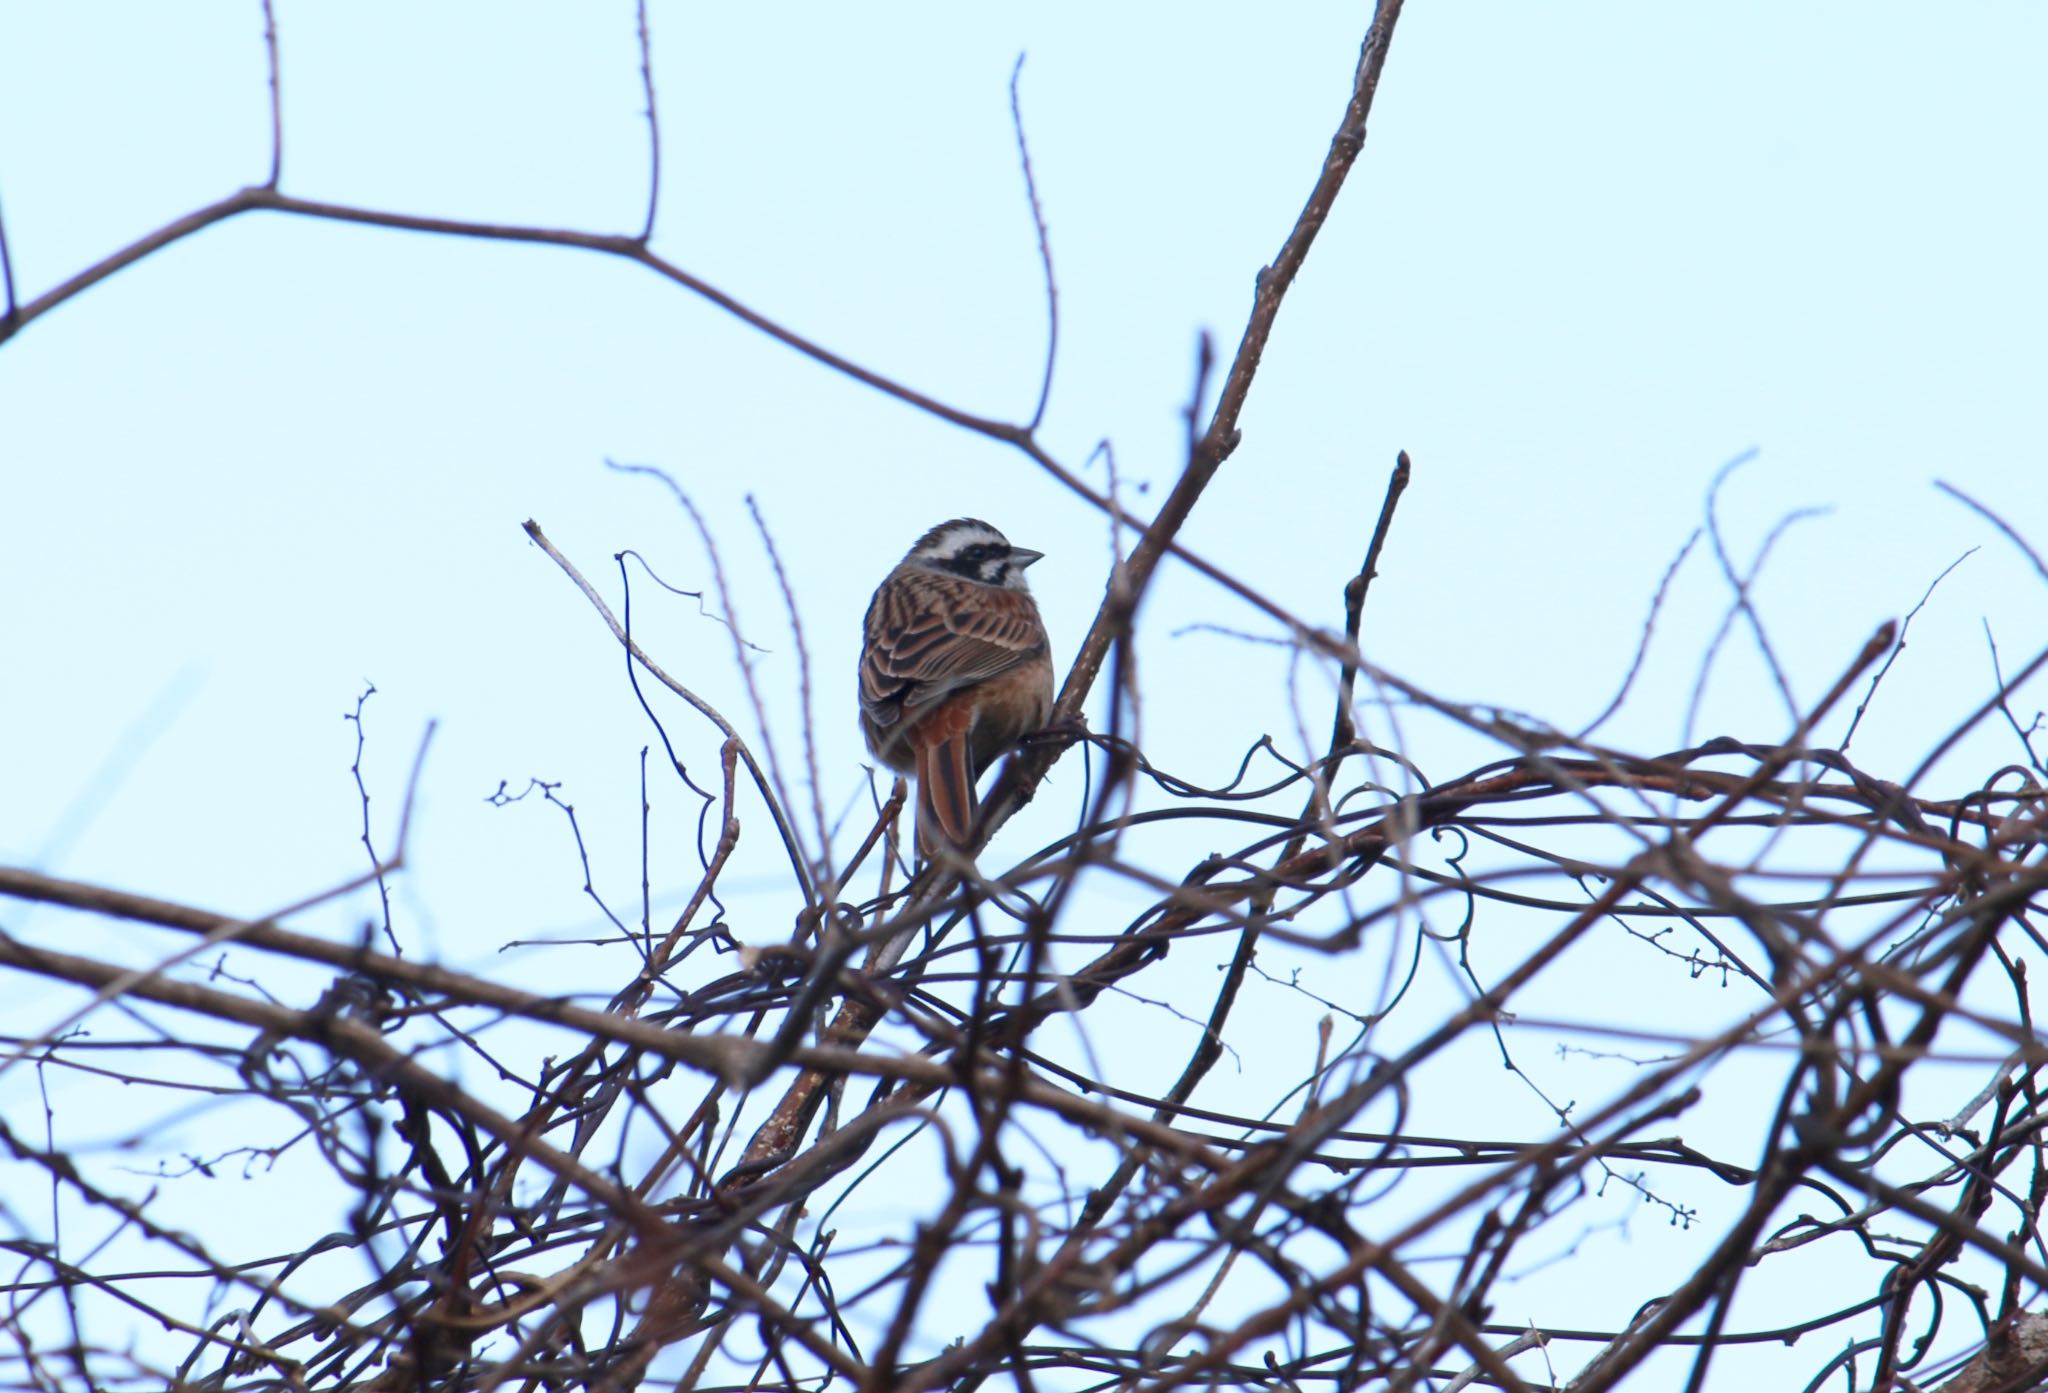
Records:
x=653, y=126
x=1905, y=626
x=276, y=95
x=2011, y=533
x=825, y=875
x=1344, y=728
x=1052, y=289
x=1643, y=643
x=355, y=770
x=8, y=314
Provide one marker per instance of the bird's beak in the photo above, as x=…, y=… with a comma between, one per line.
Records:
x=1020, y=557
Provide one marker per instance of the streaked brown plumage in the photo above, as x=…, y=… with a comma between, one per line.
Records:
x=955, y=668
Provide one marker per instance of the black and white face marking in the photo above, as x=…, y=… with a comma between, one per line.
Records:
x=970, y=547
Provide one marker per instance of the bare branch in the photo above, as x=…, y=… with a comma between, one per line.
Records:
x=1052, y=289
x=653, y=124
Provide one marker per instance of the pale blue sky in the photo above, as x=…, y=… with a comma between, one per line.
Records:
x=1591, y=253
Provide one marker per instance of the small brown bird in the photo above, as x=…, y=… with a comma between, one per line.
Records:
x=956, y=668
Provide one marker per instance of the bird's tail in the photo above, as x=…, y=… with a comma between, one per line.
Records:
x=945, y=792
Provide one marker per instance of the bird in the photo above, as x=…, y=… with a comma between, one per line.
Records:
x=955, y=668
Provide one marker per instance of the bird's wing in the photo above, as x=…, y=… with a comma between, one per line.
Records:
x=930, y=635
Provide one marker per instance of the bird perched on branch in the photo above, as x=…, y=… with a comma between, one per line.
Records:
x=954, y=670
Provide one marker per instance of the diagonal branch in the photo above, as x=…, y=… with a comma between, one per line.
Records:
x=1220, y=438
